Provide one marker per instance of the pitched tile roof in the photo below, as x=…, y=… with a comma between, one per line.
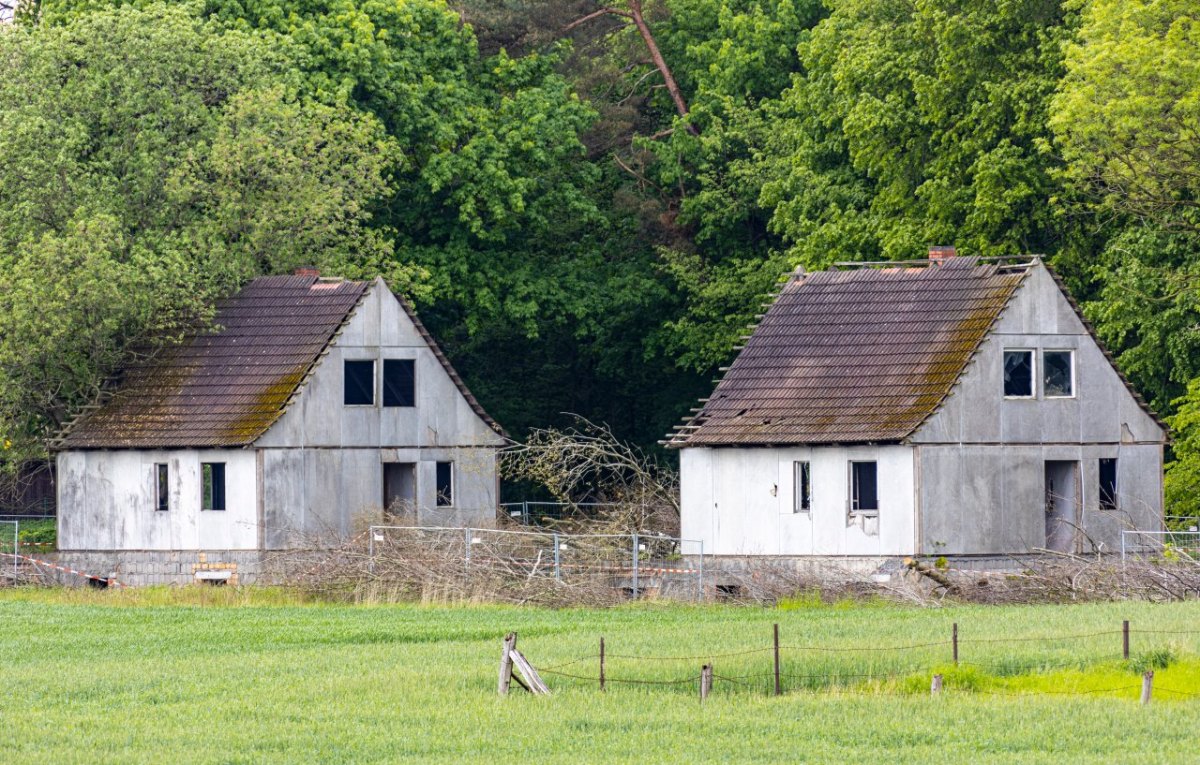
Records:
x=225, y=388
x=854, y=356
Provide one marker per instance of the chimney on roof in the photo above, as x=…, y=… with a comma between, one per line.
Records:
x=307, y=271
x=938, y=254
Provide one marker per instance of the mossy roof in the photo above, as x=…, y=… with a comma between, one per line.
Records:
x=863, y=355
x=224, y=387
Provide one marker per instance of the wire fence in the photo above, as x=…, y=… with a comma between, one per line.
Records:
x=1152, y=544
x=637, y=563
x=776, y=667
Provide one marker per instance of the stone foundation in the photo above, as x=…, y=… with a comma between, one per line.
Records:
x=138, y=568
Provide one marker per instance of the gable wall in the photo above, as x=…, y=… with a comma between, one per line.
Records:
x=323, y=461
x=379, y=329
x=981, y=457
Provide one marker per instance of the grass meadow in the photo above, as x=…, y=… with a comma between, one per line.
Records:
x=254, y=676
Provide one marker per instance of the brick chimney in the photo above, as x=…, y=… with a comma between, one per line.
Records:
x=938, y=254
x=307, y=271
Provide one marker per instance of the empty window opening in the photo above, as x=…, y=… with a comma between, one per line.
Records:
x=212, y=486
x=1108, y=484
x=1018, y=374
x=1058, y=374
x=359, y=383
x=864, y=486
x=445, y=484
x=802, y=487
x=399, y=382
x=162, y=490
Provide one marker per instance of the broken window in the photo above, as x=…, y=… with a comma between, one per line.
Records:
x=802, y=487
x=1018, y=374
x=1058, y=374
x=360, y=383
x=162, y=490
x=1108, y=484
x=399, y=380
x=445, y=484
x=212, y=486
x=864, y=486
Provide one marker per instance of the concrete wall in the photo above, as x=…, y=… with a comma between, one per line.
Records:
x=323, y=461
x=740, y=502
x=982, y=456
x=106, y=501
x=317, y=496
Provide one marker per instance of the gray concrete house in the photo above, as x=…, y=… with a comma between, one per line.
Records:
x=953, y=406
x=314, y=407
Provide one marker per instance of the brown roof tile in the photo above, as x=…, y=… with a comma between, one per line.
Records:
x=225, y=387
x=861, y=355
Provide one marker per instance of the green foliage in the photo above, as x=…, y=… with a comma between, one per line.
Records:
x=153, y=162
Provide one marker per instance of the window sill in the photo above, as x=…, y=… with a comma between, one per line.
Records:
x=864, y=513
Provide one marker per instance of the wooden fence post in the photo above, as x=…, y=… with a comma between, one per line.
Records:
x=1125, y=639
x=936, y=686
x=778, y=685
x=1147, y=686
x=602, y=663
x=954, y=640
x=510, y=642
x=706, y=677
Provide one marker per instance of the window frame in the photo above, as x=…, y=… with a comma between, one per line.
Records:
x=1033, y=373
x=162, y=487
x=852, y=499
x=383, y=384
x=1071, y=355
x=374, y=382
x=441, y=500
x=1113, y=500
x=205, y=501
x=801, y=487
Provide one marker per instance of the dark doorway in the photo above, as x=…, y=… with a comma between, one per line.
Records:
x=400, y=491
x=1062, y=505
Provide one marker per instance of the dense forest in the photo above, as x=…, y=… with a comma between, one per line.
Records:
x=587, y=203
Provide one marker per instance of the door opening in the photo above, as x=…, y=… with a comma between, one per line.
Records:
x=1062, y=505
x=400, y=491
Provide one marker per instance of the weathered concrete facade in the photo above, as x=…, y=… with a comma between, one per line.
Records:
x=982, y=475
x=317, y=475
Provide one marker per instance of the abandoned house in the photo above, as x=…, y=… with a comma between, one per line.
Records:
x=312, y=407
x=954, y=406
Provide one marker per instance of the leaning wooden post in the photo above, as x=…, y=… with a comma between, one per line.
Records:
x=602, y=663
x=1147, y=686
x=954, y=640
x=778, y=686
x=936, y=686
x=510, y=642
x=706, y=677
x=1125, y=639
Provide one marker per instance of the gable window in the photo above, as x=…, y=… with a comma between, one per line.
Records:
x=445, y=484
x=399, y=382
x=802, y=487
x=212, y=486
x=1018, y=374
x=359, y=383
x=1108, y=484
x=1058, y=374
x=864, y=486
x=162, y=488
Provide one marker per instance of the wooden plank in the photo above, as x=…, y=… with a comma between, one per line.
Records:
x=536, y=685
x=706, y=678
x=510, y=644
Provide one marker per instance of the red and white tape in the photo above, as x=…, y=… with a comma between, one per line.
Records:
x=108, y=580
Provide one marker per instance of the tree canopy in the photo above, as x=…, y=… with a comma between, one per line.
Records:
x=588, y=202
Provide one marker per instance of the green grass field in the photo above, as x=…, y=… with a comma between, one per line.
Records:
x=228, y=676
